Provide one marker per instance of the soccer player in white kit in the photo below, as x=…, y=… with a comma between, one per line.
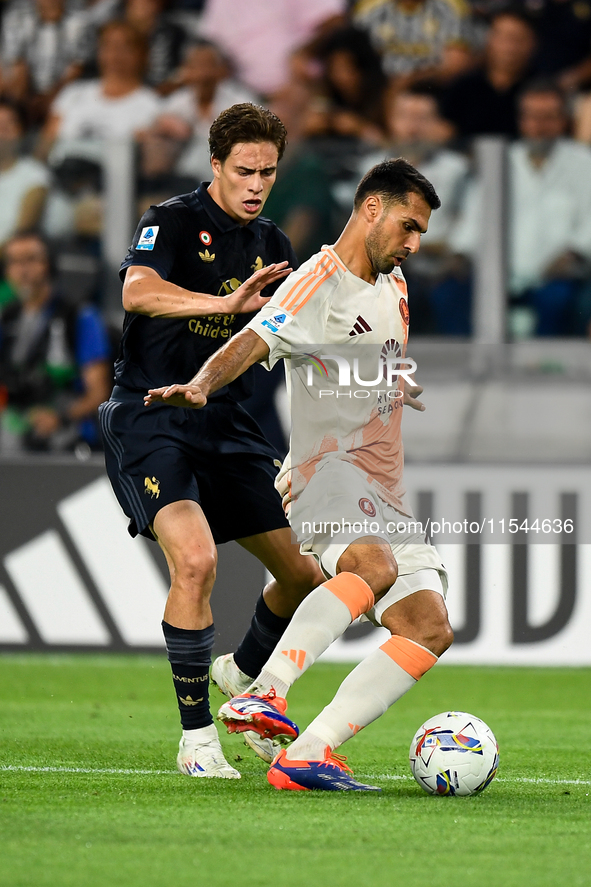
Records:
x=341, y=482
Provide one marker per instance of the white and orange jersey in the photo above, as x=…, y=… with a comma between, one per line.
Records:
x=322, y=321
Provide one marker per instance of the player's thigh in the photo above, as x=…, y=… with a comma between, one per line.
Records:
x=338, y=518
x=279, y=551
x=146, y=462
x=238, y=495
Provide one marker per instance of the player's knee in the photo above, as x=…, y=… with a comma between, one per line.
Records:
x=197, y=567
x=374, y=563
x=438, y=636
x=383, y=581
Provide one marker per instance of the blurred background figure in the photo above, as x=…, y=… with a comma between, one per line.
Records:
x=484, y=101
x=114, y=106
x=420, y=38
x=43, y=47
x=55, y=364
x=418, y=132
x=564, y=41
x=157, y=178
x=261, y=42
x=301, y=201
x=164, y=38
x=353, y=86
x=549, y=243
x=23, y=180
x=206, y=89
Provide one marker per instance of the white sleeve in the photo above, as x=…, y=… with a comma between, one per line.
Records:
x=283, y=330
x=66, y=99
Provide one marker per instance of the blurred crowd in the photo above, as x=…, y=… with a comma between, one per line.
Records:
x=354, y=81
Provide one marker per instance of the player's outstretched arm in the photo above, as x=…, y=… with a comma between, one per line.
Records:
x=145, y=292
x=222, y=368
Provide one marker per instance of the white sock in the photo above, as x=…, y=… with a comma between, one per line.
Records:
x=365, y=694
x=202, y=734
x=320, y=619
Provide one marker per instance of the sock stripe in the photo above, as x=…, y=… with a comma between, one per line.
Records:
x=353, y=591
x=410, y=656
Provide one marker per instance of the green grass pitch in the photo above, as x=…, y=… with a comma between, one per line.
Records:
x=89, y=796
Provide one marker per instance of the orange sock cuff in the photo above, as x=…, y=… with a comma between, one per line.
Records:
x=353, y=591
x=412, y=657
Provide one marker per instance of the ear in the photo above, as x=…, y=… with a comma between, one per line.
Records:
x=373, y=207
x=216, y=166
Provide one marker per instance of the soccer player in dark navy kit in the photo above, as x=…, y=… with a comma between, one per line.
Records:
x=194, y=478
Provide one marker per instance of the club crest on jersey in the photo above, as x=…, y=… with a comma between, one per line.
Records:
x=148, y=237
x=205, y=238
x=404, y=312
x=367, y=507
x=273, y=323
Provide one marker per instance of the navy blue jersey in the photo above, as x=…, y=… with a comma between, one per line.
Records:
x=190, y=241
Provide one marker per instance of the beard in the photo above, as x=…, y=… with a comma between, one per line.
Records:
x=381, y=262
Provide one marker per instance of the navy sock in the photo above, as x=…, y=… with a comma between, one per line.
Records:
x=260, y=640
x=189, y=654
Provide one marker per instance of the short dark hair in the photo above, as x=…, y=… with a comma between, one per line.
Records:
x=138, y=40
x=394, y=180
x=245, y=122
x=512, y=10
x=32, y=234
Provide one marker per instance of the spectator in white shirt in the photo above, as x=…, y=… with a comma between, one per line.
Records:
x=23, y=181
x=549, y=223
x=114, y=106
x=207, y=90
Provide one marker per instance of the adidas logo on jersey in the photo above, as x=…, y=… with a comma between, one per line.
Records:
x=360, y=326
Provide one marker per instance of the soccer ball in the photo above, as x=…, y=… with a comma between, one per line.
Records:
x=454, y=753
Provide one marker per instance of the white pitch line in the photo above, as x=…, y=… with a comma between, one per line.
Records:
x=109, y=771
x=540, y=780
x=112, y=771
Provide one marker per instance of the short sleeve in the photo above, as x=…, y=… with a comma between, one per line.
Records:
x=66, y=99
x=155, y=242
x=92, y=341
x=303, y=324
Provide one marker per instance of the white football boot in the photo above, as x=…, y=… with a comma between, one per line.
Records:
x=228, y=678
x=231, y=681
x=200, y=754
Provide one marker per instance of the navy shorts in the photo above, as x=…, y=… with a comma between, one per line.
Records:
x=216, y=456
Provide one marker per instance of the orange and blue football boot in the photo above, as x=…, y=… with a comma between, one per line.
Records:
x=264, y=715
x=329, y=775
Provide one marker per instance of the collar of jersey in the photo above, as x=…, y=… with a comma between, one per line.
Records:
x=221, y=219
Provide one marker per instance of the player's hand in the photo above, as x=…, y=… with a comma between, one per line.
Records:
x=188, y=396
x=247, y=297
x=411, y=393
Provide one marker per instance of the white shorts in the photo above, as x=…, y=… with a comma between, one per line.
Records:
x=338, y=506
